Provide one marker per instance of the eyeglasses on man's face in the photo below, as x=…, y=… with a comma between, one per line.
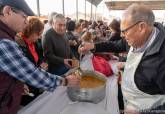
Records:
x=128, y=28
x=19, y=12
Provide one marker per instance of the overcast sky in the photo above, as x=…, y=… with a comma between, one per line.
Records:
x=47, y=6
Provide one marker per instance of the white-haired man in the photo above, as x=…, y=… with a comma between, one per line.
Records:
x=56, y=47
x=143, y=79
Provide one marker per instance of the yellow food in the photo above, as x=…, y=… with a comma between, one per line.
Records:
x=90, y=82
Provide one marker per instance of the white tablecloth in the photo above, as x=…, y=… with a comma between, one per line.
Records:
x=55, y=102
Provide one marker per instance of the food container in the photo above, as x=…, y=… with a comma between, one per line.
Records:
x=93, y=94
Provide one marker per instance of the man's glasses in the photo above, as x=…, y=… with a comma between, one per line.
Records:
x=19, y=12
x=128, y=28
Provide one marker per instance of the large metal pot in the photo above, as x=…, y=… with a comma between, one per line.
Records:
x=94, y=95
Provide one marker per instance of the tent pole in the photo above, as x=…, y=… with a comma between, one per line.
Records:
x=38, y=8
x=63, y=7
x=91, y=11
x=85, y=9
x=77, y=9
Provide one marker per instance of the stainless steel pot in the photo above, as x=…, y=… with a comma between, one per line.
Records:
x=94, y=95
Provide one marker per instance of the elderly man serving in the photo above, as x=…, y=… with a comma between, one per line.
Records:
x=144, y=75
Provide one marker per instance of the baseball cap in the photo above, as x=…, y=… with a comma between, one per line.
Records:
x=18, y=4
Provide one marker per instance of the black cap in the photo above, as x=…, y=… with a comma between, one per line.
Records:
x=18, y=4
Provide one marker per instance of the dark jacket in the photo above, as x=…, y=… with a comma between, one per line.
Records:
x=112, y=46
x=6, y=79
x=115, y=37
x=56, y=48
x=24, y=46
x=150, y=74
x=74, y=49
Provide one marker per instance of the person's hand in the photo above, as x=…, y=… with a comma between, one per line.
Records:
x=86, y=47
x=72, y=42
x=26, y=90
x=68, y=62
x=73, y=80
x=44, y=66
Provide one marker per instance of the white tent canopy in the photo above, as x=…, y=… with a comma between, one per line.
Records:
x=123, y=4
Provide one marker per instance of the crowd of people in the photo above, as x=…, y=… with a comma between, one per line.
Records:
x=19, y=67
x=34, y=56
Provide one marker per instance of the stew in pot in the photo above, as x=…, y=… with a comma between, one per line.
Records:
x=90, y=82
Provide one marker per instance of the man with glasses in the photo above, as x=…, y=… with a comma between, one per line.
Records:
x=143, y=79
x=15, y=68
